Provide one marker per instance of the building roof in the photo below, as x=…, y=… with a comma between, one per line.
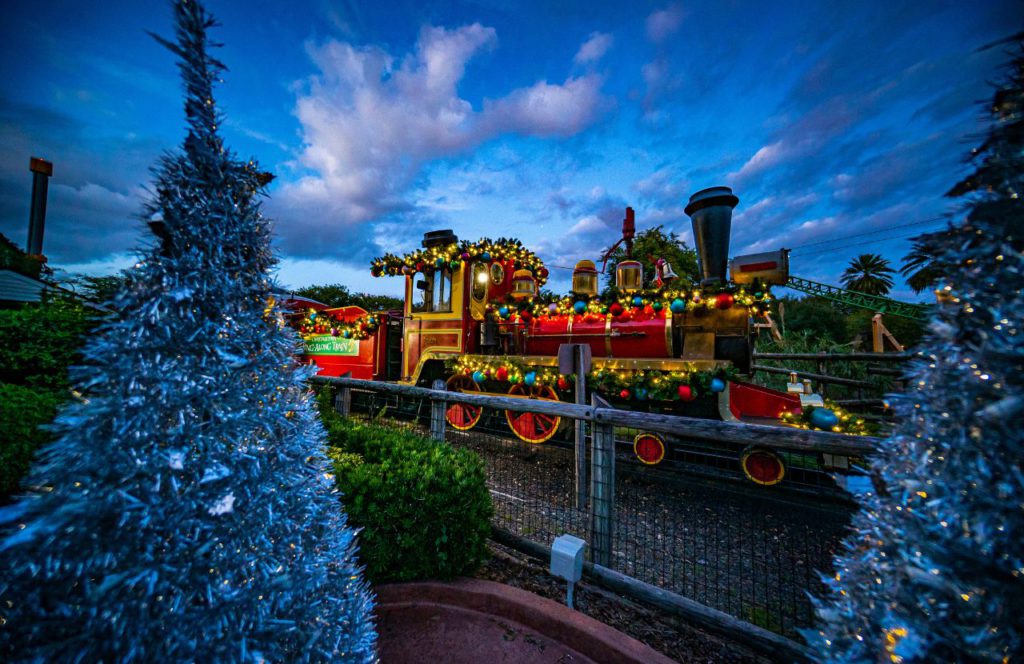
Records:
x=15, y=287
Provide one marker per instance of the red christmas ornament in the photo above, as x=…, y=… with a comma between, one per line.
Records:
x=501, y=374
x=624, y=394
x=420, y=266
x=563, y=384
x=526, y=316
x=686, y=393
x=723, y=301
x=543, y=273
x=615, y=310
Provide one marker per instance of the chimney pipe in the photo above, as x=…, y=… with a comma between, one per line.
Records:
x=711, y=213
x=41, y=172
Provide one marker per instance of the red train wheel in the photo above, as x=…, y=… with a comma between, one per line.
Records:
x=649, y=448
x=462, y=416
x=763, y=466
x=534, y=428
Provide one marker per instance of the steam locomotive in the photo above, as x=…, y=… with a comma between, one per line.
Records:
x=473, y=318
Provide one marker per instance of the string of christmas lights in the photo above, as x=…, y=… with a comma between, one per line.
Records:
x=685, y=383
x=452, y=255
x=320, y=322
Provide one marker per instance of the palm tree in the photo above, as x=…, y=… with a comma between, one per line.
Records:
x=920, y=267
x=868, y=273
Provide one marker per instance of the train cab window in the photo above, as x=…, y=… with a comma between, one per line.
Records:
x=442, y=291
x=422, y=296
x=480, y=280
x=432, y=292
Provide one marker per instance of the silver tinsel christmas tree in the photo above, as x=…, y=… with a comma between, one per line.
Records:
x=184, y=513
x=934, y=570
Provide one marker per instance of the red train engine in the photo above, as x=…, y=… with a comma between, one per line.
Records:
x=472, y=316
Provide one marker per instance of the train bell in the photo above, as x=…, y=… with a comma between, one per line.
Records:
x=663, y=273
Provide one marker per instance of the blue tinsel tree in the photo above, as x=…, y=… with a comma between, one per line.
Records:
x=934, y=570
x=184, y=513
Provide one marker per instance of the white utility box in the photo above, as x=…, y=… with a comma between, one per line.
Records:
x=567, y=558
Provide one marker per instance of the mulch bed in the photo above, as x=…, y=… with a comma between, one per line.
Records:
x=665, y=633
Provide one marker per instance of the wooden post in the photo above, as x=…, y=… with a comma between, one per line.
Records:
x=343, y=398
x=821, y=370
x=437, y=408
x=602, y=493
x=579, y=428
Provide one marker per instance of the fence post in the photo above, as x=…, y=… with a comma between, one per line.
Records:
x=602, y=493
x=579, y=428
x=343, y=398
x=437, y=408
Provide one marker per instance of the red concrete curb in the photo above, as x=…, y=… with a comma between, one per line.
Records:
x=463, y=616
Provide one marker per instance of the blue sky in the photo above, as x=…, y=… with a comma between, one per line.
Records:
x=838, y=125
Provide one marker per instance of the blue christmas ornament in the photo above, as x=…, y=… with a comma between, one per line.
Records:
x=439, y=262
x=503, y=312
x=347, y=334
x=658, y=306
x=677, y=306
x=640, y=393
x=823, y=418
x=717, y=384
x=486, y=256
x=579, y=306
x=312, y=315
x=529, y=379
x=638, y=301
x=478, y=376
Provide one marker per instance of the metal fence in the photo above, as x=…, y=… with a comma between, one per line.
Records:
x=693, y=525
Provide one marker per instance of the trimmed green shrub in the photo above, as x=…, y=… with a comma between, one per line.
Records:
x=39, y=342
x=22, y=412
x=423, y=506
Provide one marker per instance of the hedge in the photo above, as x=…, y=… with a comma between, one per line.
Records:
x=423, y=506
x=22, y=411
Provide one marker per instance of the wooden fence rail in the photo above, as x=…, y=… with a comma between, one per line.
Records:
x=821, y=378
x=782, y=438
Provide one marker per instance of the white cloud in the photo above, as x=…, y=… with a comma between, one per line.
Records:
x=663, y=23
x=766, y=157
x=547, y=110
x=370, y=120
x=594, y=48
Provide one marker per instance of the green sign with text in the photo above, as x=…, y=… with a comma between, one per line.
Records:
x=326, y=344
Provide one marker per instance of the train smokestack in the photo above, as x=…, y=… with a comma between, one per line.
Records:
x=710, y=211
x=41, y=172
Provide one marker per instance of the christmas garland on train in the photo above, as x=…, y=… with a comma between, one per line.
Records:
x=474, y=316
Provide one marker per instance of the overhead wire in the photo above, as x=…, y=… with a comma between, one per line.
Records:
x=874, y=232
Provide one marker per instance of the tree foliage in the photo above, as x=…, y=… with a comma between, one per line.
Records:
x=868, y=273
x=654, y=243
x=932, y=570
x=39, y=342
x=339, y=295
x=921, y=268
